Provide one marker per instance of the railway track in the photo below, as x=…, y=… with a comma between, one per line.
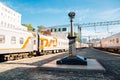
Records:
x=109, y=50
x=17, y=56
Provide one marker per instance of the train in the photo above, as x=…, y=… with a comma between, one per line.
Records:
x=17, y=44
x=111, y=43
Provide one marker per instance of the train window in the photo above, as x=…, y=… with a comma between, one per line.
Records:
x=51, y=30
x=21, y=40
x=110, y=41
x=1, y=22
x=2, y=39
x=117, y=40
x=34, y=42
x=13, y=40
x=113, y=41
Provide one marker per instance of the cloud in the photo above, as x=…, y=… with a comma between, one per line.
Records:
x=90, y=15
x=114, y=28
x=112, y=14
x=92, y=34
x=44, y=10
x=32, y=10
x=82, y=14
x=94, y=15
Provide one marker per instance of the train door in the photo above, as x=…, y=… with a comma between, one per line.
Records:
x=34, y=44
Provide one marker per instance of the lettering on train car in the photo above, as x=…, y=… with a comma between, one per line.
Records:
x=45, y=42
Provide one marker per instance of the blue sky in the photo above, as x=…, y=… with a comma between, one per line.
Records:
x=55, y=12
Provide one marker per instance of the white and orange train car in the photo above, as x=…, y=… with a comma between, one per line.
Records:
x=15, y=44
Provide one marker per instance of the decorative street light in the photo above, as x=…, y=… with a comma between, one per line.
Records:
x=71, y=16
x=72, y=59
x=71, y=38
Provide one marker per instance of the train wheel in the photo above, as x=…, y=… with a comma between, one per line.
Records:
x=6, y=57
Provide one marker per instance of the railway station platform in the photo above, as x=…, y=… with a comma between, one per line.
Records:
x=92, y=66
x=31, y=68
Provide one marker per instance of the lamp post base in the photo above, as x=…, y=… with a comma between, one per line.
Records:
x=72, y=60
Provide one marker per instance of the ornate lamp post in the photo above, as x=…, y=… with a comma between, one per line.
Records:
x=71, y=16
x=72, y=59
x=71, y=37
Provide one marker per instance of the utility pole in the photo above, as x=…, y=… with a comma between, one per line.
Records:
x=79, y=33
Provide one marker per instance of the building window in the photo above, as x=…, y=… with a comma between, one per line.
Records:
x=5, y=24
x=2, y=39
x=51, y=30
x=13, y=39
x=1, y=14
x=55, y=30
x=64, y=29
x=21, y=40
x=1, y=23
x=59, y=29
x=8, y=24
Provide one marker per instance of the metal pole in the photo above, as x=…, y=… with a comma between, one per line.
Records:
x=89, y=40
x=38, y=45
x=80, y=36
x=72, y=30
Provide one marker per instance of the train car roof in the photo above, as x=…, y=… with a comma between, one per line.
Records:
x=114, y=35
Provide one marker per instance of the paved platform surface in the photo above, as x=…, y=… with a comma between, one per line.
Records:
x=26, y=62
x=92, y=66
x=28, y=69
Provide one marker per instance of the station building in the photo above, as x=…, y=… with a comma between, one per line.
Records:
x=10, y=19
x=61, y=32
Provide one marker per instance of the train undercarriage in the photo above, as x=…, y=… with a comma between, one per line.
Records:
x=113, y=50
x=16, y=56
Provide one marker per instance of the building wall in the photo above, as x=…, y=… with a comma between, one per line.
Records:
x=10, y=18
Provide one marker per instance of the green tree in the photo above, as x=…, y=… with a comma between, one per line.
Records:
x=75, y=34
x=29, y=27
x=41, y=29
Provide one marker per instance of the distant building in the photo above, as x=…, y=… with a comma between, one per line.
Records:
x=47, y=32
x=84, y=40
x=59, y=32
x=10, y=19
x=63, y=29
x=80, y=45
x=95, y=40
